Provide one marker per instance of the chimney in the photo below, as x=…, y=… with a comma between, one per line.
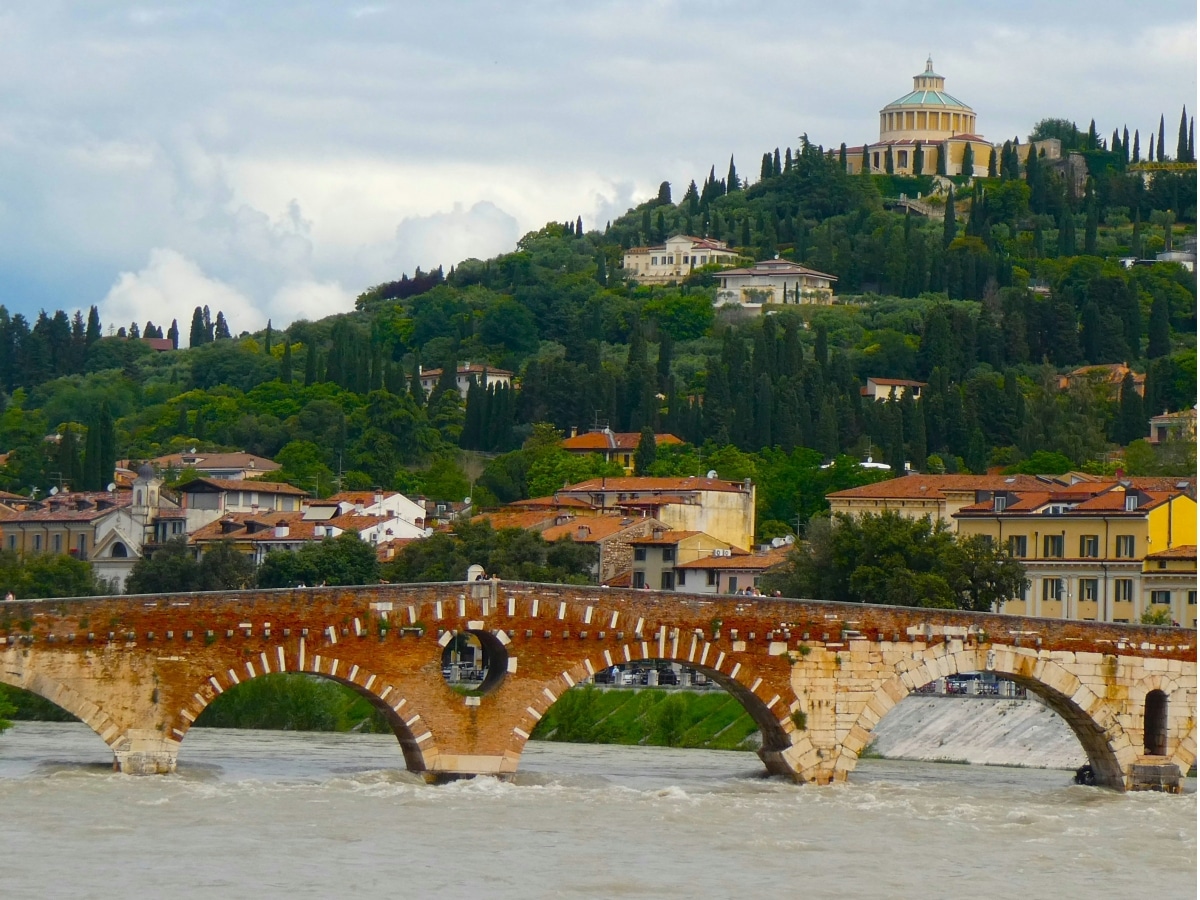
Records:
x=582, y=532
x=574, y=431
x=281, y=529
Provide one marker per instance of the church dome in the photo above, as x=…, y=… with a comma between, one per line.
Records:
x=927, y=113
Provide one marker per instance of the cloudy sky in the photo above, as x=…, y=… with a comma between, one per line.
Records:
x=273, y=159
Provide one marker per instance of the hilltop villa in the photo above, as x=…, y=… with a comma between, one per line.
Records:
x=674, y=260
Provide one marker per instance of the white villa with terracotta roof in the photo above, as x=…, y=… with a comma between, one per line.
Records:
x=675, y=259
x=484, y=376
x=773, y=281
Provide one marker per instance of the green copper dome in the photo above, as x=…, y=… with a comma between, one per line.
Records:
x=928, y=98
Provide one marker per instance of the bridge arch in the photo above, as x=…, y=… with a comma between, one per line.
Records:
x=1088, y=715
x=767, y=698
x=416, y=738
x=66, y=698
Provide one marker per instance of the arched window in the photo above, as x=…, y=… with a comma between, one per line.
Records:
x=1156, y=724
x=119, y=551
x=138, y=498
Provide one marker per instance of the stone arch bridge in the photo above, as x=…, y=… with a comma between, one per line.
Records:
x=816, y=677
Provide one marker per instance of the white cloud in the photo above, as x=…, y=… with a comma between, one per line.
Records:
x=447, y=237
x=309, y=300
x=170, y=287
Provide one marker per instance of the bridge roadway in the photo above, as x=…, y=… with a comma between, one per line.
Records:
x=816, y=677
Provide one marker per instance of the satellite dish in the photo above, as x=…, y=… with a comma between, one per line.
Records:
x=111, y=487
x=467, y=500
x=712, y=473
x=53, y=491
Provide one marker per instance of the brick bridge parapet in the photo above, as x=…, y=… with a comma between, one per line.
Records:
x=816, y=677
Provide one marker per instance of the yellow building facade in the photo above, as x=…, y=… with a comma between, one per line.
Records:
x=1085, y=548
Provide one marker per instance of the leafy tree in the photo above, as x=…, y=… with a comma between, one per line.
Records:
x=46, y=575
x=898, y=561
x=171, y=568
x=343, y=560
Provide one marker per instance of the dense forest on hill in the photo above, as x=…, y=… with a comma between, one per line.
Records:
x=1015, y=281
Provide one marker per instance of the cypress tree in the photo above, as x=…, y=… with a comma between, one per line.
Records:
x=949, y=224
x=646, y=452
x=866, y=160
x=918, y=164
x=889, y=165
x=1115, y=144
x=310, y=365
x=1066, y=233
x=1150, y=149
x=267, y=339
x=415, y=390
x=1131, y=418
x=1092, y=140
x=93, y=332
x=841, y=155
x=1125, y=144
x=208, y=326
x=941, y=159
x=173, y=334
x=196, y=337
x=1162, y=141
x=579, y=226
x=1181, y=144
x=767, y=168
x=285, y=361
x=1136, y=155
x=731, y=180
x=1191, y=147
x=968, y=161
x=778, y=167
x=1160, y=327
x=992, y=173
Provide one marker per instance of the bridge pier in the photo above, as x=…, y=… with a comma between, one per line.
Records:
x=140, y=753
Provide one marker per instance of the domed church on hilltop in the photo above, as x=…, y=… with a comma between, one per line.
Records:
x=927, y=132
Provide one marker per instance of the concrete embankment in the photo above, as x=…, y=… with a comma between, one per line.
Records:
x=977, y=730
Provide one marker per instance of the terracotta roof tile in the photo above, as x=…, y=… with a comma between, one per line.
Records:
x=589, y=529
x=1184, y=551
x=935, y=486
x=635, y=484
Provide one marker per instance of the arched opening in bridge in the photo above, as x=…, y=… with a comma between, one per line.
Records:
x=54, y=734
x=1156, y=724
x=474, y=661
x=664, y=703
x=301, y=701
x=992, y=718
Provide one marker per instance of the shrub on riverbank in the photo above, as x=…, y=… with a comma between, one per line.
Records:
x=292, y=703
x=588, y=715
